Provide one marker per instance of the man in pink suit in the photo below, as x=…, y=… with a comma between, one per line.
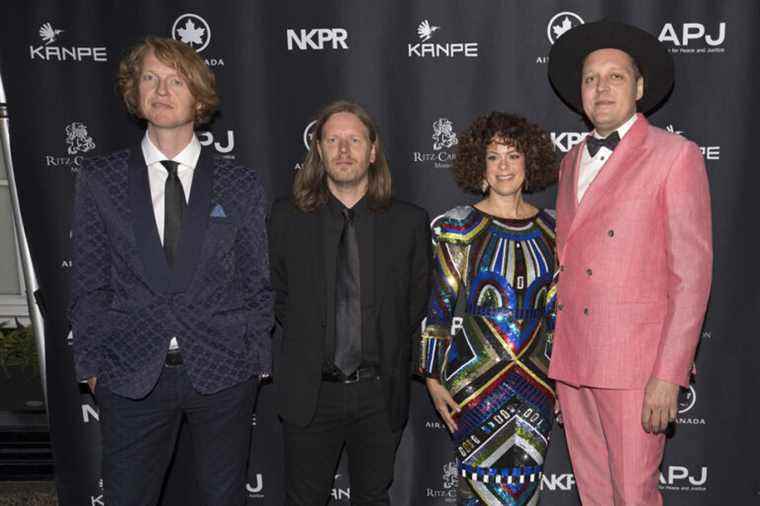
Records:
x=635, y=253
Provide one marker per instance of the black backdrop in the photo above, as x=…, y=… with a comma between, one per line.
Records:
x=277, y=63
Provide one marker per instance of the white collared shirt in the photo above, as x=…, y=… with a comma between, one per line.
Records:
x=157, y=175
x=590, y=166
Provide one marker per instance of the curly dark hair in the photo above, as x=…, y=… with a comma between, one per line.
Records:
x=529, y=139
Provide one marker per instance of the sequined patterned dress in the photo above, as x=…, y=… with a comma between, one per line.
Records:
x=493, y=280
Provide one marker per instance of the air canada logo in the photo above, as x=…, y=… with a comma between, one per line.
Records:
x=438, y=49
x=444, y=138
x=51, y=50
x=443, y=135
x=308, y=134
x=77, y=139
x=686, y=399
x=561, y=23
x=191, y=29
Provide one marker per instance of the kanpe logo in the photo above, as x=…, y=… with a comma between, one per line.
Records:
x=693, y=38
x=49, y=50
x=316, y=39
x=424, y=49
x=709, y=152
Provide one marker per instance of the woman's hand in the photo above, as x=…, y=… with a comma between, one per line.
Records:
x=443, y=402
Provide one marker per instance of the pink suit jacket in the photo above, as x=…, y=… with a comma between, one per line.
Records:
x=635, y=263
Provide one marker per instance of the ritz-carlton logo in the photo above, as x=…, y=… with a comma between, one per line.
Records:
x=51, y=50
x=424, y=49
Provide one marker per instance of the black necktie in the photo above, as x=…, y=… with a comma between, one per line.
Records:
x=593, y=144
x=348, y=316
x=174, y=200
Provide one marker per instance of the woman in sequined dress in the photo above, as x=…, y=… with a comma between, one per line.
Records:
x=487, y=341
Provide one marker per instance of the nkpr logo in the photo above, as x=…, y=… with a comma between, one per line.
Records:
x=51, y=50
x=694, y=38
x=424, y=49
x=316, y=39
x=193, y=30
x=563, y=482
x=561, y=23
x=444, y=138
x=78, y=142
x=564, y=141
x=684, y=479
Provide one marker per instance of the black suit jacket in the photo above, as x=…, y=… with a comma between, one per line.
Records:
x=402, y=265
x=126, y=303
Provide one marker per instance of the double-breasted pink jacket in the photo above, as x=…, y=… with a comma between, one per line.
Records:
x=635, y=261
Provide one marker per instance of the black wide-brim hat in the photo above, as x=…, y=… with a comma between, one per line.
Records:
x=651, y=56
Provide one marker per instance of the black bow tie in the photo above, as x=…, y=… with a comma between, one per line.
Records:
x=593, y=144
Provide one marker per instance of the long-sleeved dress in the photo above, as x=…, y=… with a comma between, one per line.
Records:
x=487, y=338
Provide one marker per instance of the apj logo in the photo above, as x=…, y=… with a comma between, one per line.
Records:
x=444, y=137
x=193, y=30
x=49, y=51
x=560, y=24
x=681, y=478
x=425, y=49
x=693, y=38
x=207, y=139
x=256, y=490
x=316, y=39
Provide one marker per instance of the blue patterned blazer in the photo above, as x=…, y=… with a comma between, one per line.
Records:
x=126, y=304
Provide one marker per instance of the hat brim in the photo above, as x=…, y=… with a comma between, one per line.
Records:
x=651, y=56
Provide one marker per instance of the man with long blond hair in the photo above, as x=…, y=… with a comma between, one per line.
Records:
x=350, y=271
x=171, y=305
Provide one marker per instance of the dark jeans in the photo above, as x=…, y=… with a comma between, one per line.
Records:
x=139, y=438
x=353, y=415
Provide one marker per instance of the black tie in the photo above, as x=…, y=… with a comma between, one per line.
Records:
x=348, y=316
x=593, y=144
x=174, y=199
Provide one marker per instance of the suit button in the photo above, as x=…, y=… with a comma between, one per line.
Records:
x=585, y=311
x=561, y=268
x=611, y=233
x=589, y=272
x=560, y=307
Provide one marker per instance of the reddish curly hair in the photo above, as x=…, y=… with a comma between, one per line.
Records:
x=529, y=139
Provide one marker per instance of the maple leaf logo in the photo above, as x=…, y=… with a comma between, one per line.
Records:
x=560, y=29
x=190, y=35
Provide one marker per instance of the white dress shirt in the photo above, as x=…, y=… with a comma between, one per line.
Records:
x=157, y=175
x=590, y=166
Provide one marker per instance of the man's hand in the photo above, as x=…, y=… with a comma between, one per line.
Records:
x=443, y=402
x=660, y=405
x=91, y=382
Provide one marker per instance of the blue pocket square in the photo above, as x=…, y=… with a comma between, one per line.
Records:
x=218, y=212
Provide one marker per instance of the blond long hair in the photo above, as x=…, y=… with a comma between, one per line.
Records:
x=310, y=185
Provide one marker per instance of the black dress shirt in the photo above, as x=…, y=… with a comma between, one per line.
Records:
x=332, y=225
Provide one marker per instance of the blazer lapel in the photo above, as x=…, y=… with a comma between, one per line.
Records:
x=314, y=243
x=383, y=242
x=194, y=224
x=622, y=159
x=144, y=223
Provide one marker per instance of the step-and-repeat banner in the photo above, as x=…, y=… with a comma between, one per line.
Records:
x=424, y=69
